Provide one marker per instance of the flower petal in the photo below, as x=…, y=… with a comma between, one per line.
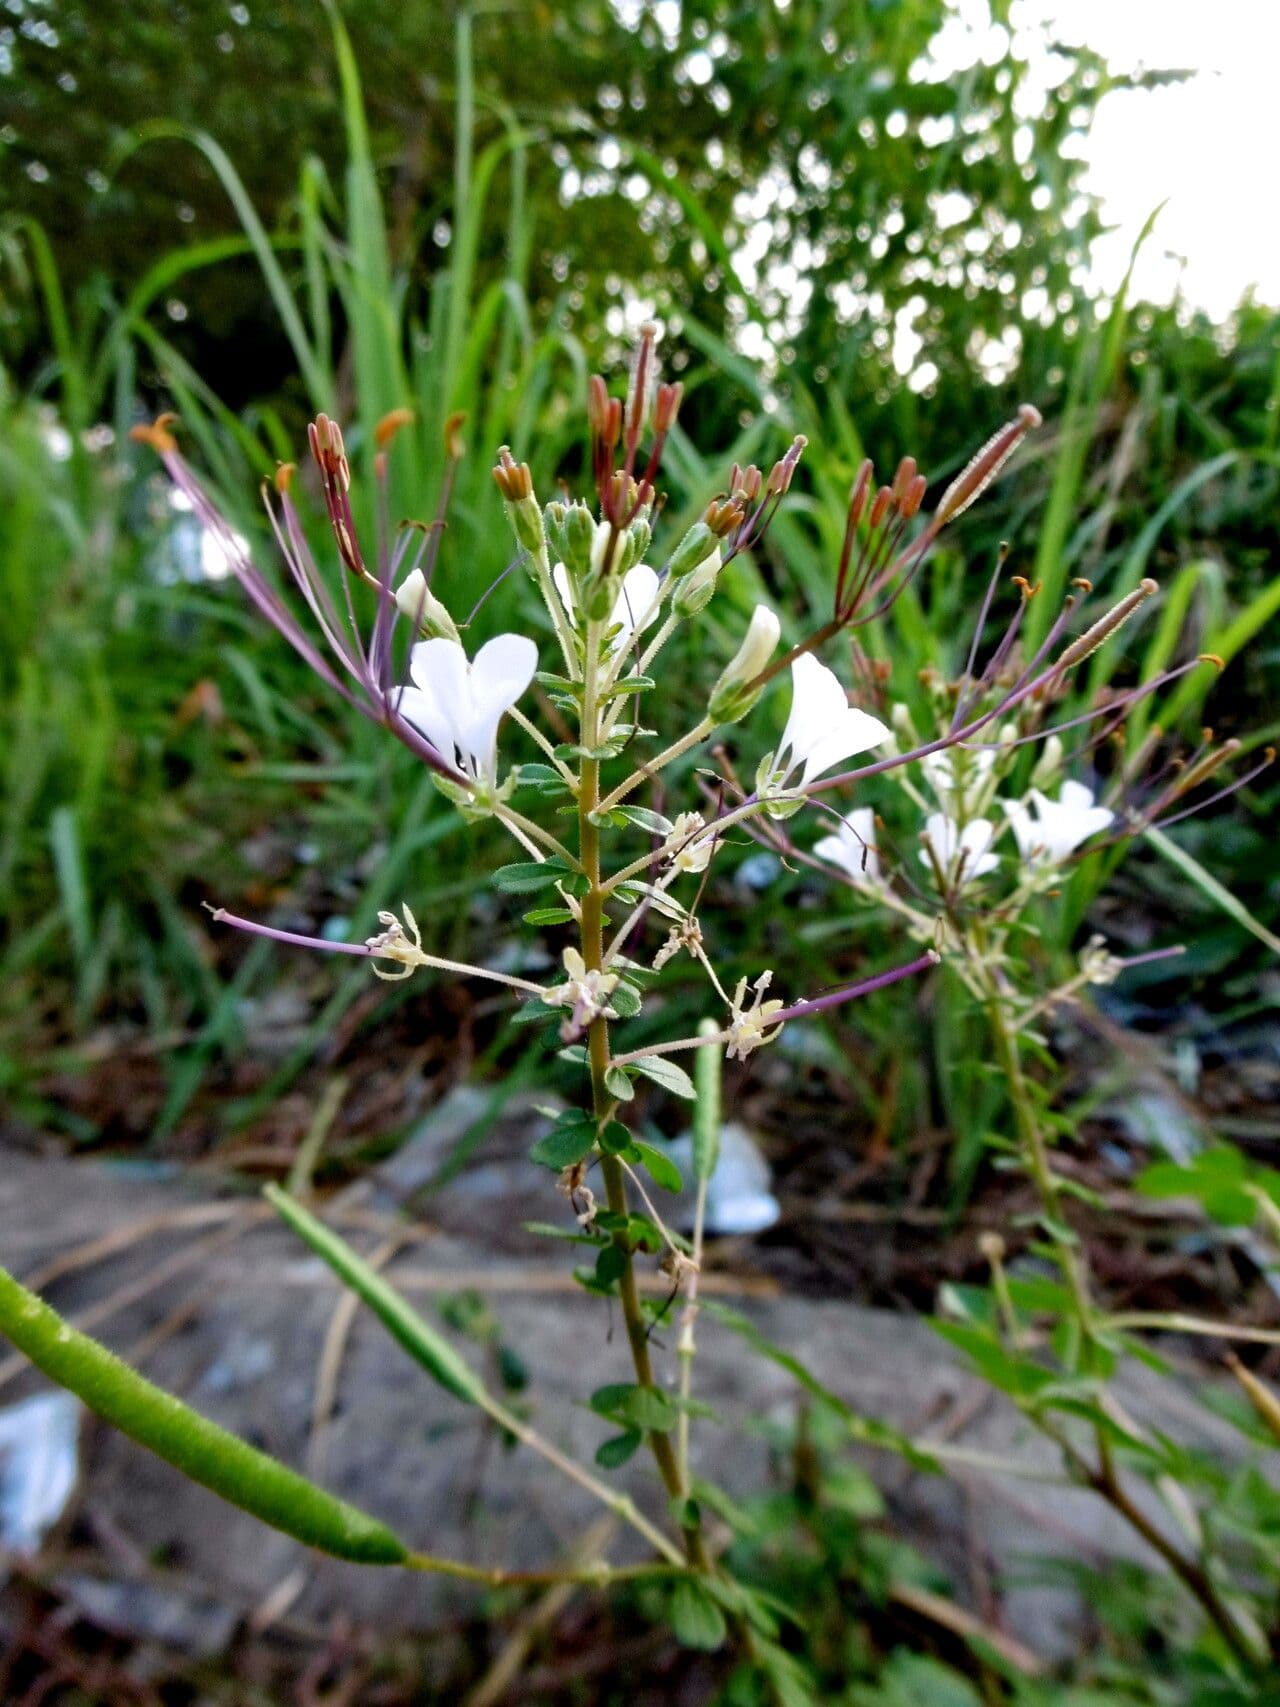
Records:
x=420, y=707
x=854, y=732
x=636, y=606
x=439, y=670
x=563, y=586
x=817, y=701
x=500, y=673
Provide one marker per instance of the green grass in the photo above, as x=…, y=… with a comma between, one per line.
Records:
x=125, y=803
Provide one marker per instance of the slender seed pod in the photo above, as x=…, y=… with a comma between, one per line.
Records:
x=1088, y=643
x=220, y=1461
x=981, y=470
x=707, y=1113
x=400, y=1319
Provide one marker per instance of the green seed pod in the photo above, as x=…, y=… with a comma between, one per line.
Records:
x=239, y=1473
x=400, y=1319
x=639, y=536
x=526, y=524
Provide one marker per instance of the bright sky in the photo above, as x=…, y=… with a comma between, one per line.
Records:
x=1208, y=145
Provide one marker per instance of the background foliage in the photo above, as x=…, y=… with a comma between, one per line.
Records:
x=250, y=213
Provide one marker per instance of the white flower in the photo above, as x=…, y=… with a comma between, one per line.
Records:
x=417, y=602
x=1059, y=826
x=458, y=704
x=585, y=993
x=733, y=696
x=853, y=847
x=685, y=848
x=957, y=776
x=960, y=855
x=823, y=727
x=636, y=605
x=748, y=1027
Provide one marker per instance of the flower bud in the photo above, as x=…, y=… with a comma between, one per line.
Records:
x=553, y=520
x=1048, y=766
x=577, y=538
x=516, y=485
x=903, y=727
x=417, y=602
x=697, y=545
x=693, y=592
x=733, y=695
x=638, y=538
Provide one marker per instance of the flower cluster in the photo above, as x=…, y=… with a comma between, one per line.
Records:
x=989, y=835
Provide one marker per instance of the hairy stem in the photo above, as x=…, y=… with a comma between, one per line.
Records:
x=1104, y=1479
x=592, y=928
x=699, y=732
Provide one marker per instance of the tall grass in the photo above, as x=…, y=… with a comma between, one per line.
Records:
x=123, y=807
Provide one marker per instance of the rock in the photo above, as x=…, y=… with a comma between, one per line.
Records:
x=239, y=1326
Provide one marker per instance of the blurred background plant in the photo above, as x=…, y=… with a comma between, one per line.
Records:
x=844, y=233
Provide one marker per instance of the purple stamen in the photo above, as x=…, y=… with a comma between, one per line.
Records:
x=221, y=916
x=851, y=992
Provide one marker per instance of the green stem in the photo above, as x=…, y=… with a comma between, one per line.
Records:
x=599, y=1574
x=699, y=732
x=508, y=815
x=1037, y=1155
x=559, y=616
x=1104, y=1479
x=592, y=929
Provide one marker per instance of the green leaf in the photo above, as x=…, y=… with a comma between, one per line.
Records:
x=696, y=1619
x=396, y=1314
x=218, y=1460
x=531, y=1013
x=526, y=876
x=653, y=823
x=1218, y=1178
x=630, y=684
x=548, y=916
x=1017, y=1376
x=662, y=1170
x=646, y=1408
x=569, y=1141
x=625, y=1001
x=725, y=1508
x=614, y=1138
x=544, y=778
x=851, y=1490
x=611, y=1265
x=618, y=1084
x=549, y=1230
x=666, y=1074
x=612, y=1453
